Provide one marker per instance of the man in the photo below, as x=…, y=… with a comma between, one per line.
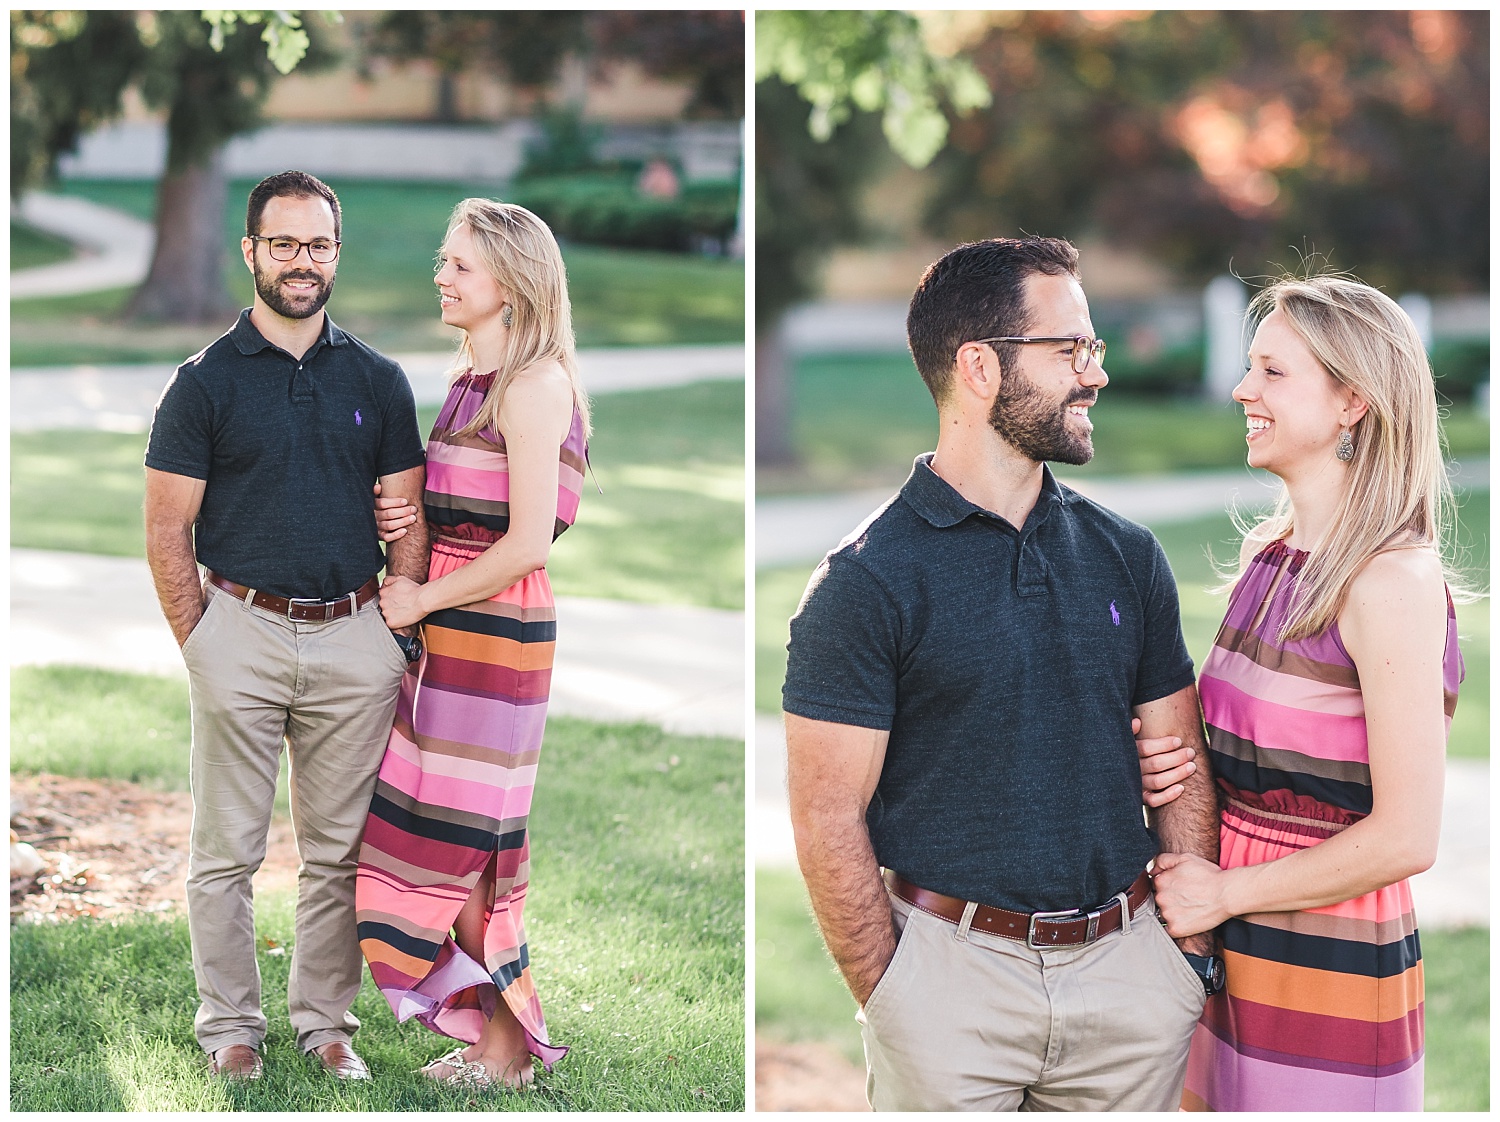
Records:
x=962, y=678
x=261, y=459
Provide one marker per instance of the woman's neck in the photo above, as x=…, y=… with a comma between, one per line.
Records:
x=1314, y=504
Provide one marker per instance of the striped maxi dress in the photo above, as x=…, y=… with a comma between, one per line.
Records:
x=455, y=785
x=1323, y=1007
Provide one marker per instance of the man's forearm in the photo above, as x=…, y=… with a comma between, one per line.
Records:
x=848, y=898
x=1190, y=824
x=408, y=556
x=174, y=571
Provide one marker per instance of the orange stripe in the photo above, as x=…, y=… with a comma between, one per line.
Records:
x=492, y=650
x=377, y=952
x=1328, y=993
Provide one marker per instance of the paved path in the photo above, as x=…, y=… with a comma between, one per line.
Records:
x=680, y=667
x=122, y=398
x=1455, y=892
x=801, y=528
x=116, y=247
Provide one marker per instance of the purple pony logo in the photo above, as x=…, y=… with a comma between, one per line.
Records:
x=1114, y=613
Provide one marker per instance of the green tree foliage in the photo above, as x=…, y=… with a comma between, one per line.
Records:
x=209, y=71
x=874, y=61
x=1209, y=138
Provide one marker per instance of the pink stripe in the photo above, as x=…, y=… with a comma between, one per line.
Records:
x=478, y=458
x=468, y=483
x=482, y=722
x=1319, y=736
x=1281, y=688
x=1242, y=1083
x=567, y=505
x=478, y=792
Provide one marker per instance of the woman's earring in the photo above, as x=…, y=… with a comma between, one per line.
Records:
x=507, y=317
x=1344, y=450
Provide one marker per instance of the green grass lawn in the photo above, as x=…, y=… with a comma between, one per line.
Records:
x=669, y=527
x=858, y=420
x=384, y=292
x=30, y=247
x=635, y=923
x=799, y=995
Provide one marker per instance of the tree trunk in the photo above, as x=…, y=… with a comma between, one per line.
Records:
x=186, y=281
x=773, y=402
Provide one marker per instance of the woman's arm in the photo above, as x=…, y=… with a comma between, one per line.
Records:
x=1395, y=627
x=534, y=420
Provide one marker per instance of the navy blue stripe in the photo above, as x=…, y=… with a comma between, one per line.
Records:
x=405, y=820
x=1246, y=776
x=1320, y=952
x=502, y=627
x=424, y=949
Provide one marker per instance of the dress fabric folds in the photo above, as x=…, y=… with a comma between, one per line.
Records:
x=455, y=785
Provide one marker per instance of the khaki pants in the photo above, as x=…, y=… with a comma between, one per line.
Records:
x=329, y=690
x=964, y=1020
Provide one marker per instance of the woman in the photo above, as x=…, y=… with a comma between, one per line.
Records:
x=446, y=847
x=1327, y=698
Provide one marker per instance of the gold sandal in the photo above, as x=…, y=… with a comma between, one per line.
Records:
x=466, y=1073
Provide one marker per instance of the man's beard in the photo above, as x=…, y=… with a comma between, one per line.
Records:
x=1037, y=428
x=268, y=285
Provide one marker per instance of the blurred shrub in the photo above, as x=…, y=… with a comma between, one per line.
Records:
x=1459, y=365
x=566, y=145
x=604, y=208
x=1171, y=371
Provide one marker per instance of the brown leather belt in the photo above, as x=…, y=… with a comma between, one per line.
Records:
x=1075, y=928
x=301, y=611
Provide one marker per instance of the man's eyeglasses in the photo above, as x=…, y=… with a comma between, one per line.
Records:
x=320, y=250
x=1084, y=348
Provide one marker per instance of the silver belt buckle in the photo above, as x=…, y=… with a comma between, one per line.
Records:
x=1031, y=928
x=293, y=601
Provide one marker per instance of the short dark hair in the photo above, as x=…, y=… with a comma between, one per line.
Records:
x=977, y=291
x=289, y=185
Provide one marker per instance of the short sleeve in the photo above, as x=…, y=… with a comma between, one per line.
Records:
x=1165, y=665
x=843, y=655
x=401, y=446
x=181, y=440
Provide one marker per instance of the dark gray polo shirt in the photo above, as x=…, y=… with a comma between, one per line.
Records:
x=1004, y=664
x=289, y=449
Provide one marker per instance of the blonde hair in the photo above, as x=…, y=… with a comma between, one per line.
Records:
x=519, y=251
x=1398, y=495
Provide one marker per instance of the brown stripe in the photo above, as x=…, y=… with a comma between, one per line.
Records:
x=1284, y=759
x=1337, y=927
x=1272, y=657
x=410, y=803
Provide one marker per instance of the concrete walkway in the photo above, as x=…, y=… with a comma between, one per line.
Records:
x=801, y=528
x=122, y=398
x=116, y=247
x=678, y=667
x=1455, y=892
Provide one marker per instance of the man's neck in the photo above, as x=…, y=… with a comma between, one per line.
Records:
x=973, y=460
x=294, y=336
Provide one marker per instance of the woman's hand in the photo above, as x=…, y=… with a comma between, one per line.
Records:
x=1189, y=893
x=1165, y=763
x=398, y=602
x=393, y=515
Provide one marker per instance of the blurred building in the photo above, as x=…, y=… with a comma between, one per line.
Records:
x=412, y=121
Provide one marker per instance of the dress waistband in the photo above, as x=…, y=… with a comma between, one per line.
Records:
x=467, y=545
x=1293, y=823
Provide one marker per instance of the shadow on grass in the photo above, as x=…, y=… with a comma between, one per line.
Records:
x=636, y=931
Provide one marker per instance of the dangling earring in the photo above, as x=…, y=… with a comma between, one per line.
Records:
x=1344, y=450
x=507, y=317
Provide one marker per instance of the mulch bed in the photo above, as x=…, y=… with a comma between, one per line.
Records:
x=113, y=849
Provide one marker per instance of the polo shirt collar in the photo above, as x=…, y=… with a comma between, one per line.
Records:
x=935, y=500
x=250, y=341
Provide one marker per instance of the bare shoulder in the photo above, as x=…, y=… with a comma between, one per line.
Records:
x=1398, y=597
x=538, y=400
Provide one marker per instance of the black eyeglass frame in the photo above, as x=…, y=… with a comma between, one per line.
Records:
x=1089, y=347
x=301, y=245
